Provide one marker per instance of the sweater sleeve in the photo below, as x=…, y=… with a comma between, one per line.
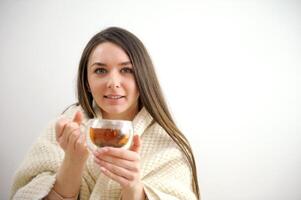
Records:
x=166, y=173
x=171, y=178
x=36, y=175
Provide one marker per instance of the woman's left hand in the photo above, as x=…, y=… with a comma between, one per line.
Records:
x=123, y=166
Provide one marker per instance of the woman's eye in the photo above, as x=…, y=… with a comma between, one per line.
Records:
x=100, y=71
x=127, y=70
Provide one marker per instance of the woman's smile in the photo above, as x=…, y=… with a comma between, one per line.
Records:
x=114, y=99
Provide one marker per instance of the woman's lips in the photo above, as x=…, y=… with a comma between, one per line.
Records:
x=113, y=96
x=114, y=99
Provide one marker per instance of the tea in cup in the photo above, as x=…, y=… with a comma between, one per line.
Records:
x=112, y=133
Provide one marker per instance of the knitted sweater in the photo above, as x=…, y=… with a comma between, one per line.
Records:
x=165, y=171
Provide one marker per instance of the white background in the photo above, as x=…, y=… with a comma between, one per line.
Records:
x=230, y=71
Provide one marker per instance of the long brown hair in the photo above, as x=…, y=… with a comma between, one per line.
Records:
x=151, y=96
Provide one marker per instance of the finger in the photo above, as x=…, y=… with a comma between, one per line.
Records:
x=81, y=142
x=73, y=137
x=78, y=117
x=130, y=165
x=59, y=127
x=69, y=128
x=118, y=153
x=70, y=140
x=116, y=173
x=121, y=180
x=82, y=139
x=136, y=144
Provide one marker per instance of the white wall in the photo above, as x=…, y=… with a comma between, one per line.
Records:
x=230, y=71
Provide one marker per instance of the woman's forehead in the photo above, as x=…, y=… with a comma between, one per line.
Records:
x=108, y=52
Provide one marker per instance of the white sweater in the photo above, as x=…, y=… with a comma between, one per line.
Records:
x=165, y=171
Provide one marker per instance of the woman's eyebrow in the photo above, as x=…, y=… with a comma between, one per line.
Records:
x=105, y=65
x=99, y=64
x=126, y=63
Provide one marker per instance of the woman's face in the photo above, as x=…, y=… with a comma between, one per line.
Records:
x=112, y=82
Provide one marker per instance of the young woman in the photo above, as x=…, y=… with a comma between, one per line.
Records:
x=116, y=80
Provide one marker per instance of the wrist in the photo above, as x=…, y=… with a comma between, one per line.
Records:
x=72, y=162
x=53, y=195
x=68, y=178
x=134, y=193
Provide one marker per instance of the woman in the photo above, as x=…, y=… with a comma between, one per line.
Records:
x=116, y=80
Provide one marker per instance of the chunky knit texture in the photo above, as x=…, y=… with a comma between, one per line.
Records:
x=165, y=171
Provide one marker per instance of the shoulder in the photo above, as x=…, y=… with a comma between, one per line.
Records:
x=157, y=132
x=158, y=144
x=162, y=156
x=156, y=140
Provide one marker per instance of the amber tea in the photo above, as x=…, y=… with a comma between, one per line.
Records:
x=102, y=137
x=112, y=133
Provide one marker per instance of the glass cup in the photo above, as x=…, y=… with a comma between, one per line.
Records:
x=112, y=133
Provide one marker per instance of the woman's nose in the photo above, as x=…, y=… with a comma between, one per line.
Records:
x=113, y=80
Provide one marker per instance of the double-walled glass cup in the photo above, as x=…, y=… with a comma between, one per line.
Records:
x=112, y=133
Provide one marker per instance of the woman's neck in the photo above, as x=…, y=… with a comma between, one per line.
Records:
x=127, y=115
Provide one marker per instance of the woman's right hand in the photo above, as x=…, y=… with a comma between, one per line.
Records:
x=71, y=140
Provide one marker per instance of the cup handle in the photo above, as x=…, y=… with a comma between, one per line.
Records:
x=83, y=130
